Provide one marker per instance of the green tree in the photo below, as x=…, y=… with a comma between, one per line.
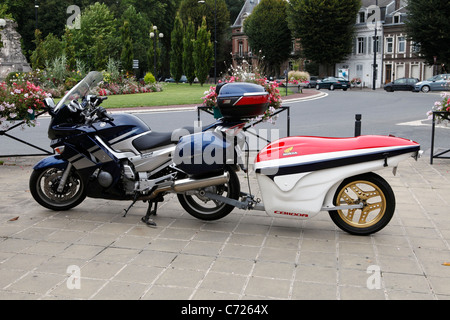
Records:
x=139, y=33
x=4, y=11
x=428, y=25
x=38, y=55
x=176, y=53
x=269, y=34
x=160, y=13
x=126, y=57
x=234, y=7
x=69, y=48
x=53, y=47
x=188, y=52
x=98, y=36
x=310, y=20
x=203, y=53
x=100, y=53
x=217, y=24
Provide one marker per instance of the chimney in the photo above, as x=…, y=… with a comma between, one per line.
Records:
x=397, y=5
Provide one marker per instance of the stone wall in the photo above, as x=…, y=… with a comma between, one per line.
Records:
x=11, y=56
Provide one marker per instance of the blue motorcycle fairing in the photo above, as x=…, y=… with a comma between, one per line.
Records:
x=51, y=162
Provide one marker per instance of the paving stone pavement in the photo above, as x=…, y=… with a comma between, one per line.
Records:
x=93, y=252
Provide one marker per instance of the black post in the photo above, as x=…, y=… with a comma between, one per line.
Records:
x=358, y=125
x=36, y=6
x=154, y=56
x=375, y=67
x=286, y=83
x=433, y=126
x=215, y=41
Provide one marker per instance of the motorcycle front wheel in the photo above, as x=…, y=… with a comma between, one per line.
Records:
x=204, y=208
x=44, y=184
x=377, y=198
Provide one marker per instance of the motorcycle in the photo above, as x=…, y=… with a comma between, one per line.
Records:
x=119, y=157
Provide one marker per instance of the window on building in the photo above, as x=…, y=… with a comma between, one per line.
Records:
x=361, y=45
x=397, y=18
x=389, y=45
x=377, y=45
x=401, y=44
x=362, y=17
x=241, y=49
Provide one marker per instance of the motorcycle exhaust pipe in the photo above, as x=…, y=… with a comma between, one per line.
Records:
x=187, y=184
x=191, y=184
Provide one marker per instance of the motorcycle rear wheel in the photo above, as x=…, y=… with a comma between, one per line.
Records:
x=378, y=199
x=44, y=184
x=204, y=208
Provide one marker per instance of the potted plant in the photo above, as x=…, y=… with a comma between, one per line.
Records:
x=20, y=102
x=441, y=109
x=355, y=81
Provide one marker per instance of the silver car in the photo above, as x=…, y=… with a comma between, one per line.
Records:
x=439, y=82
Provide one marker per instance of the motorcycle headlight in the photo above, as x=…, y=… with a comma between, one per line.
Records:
x=59, y=149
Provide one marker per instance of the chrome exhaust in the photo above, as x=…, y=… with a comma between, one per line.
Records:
x=191, y=184
x=187, y=184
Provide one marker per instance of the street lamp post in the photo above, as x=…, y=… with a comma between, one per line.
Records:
x=36, y=6
x=154, y=34
x=375, y=69
x=215, y=37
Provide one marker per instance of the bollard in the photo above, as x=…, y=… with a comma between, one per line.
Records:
x=357, y=125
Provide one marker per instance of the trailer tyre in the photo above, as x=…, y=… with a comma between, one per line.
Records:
x=377, y=198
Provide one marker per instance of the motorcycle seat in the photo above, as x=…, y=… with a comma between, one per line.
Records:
x=152, y=140
x=158, y=139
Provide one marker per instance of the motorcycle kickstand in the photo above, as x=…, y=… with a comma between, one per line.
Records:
x=130, y=206
x=149, y=222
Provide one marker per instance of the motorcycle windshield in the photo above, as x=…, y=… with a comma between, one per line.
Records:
x=81, y=89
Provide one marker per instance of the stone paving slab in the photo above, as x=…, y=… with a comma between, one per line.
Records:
x=245, y=256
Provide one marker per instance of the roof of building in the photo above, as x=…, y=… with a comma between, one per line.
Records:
x=246, y=10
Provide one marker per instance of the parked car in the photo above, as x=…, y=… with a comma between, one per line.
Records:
x=439, y=82
x=183, y=79
x=404, y=84
x=312, y=81
x=332, y=83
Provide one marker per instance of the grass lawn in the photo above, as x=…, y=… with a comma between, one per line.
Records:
x=172, y=94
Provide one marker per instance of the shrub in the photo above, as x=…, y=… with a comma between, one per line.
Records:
x=298, y=76
x=149, y=78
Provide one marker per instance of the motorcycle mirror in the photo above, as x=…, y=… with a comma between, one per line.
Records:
x=49, y=103
x=91, y=98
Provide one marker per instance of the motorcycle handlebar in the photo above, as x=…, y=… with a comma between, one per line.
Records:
x=103, y=113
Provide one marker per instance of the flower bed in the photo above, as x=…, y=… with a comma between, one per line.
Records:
x=127, y=86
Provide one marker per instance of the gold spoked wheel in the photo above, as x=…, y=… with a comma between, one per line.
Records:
x=378, y=202
x=364, y=192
